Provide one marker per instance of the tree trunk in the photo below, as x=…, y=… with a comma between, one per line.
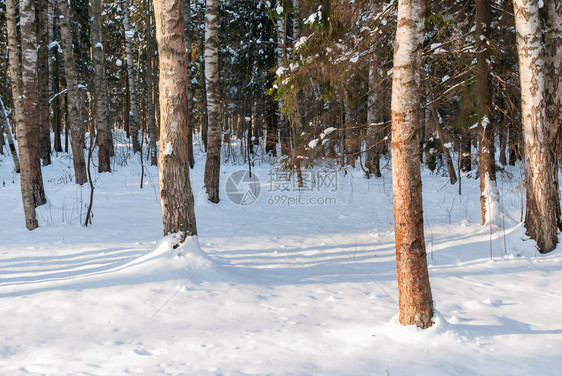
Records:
x=100, y=104
x=540, y=138
x=178, y=211
x=24, y=144
x=73, y=100
x=30, y=90
x=43, y=75
x=150, y=86
x=212, y=164
x=134, y=109
x=375, y=124
x=416, y=305
x=8, y=133
x=488, y=187
x=188, y=48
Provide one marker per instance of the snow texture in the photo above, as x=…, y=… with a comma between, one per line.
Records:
x=279, y=287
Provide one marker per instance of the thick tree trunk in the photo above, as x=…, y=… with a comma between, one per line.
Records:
x=73, y=100
x=100, y=104
x=25, y=147
x=540, y=138
x=488, y=186
x=43, y=75
x=188, y=48
x=8, y=133
x=212, y=164
x=178, y=211
x=134, y=107
x=416, y=304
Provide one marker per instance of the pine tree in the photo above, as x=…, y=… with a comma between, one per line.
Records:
x=415, y=300
x=175, y=187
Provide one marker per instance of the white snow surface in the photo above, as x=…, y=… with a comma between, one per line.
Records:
x=271, y=288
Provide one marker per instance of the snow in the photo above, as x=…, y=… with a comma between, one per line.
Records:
x=281, y=286
x=118, y=62
x=169, y=149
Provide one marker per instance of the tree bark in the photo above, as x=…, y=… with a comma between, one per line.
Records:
x=212, y=165
x=153, y=151
x=73, y=100
x=30, y=89
x=8, y=133
x=100, y=99
x=43, y=76
x=134, y=109
x=375, y=124
x=488, y=186
x=25, y=147
x=178, y=211
x=540, y=138
x=415, y=300
x=188, y=48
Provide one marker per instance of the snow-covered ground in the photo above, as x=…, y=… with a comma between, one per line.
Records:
x=283, y=286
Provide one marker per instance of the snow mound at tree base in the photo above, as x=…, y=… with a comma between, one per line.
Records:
x=187, y=261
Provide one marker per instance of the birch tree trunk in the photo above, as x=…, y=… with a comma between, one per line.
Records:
x=134, y=109
x=189, y=48
x=178, y=211
x=73, y=100
x=488, y=187
x=43, y=75
x=540, y=138
x=23, y=137
x=415, y=300
x=8, y=133
x=212, y=164
x=100, y=99
x=29, y=83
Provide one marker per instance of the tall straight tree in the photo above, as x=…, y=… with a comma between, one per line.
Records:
x=29, y=84
x=540, y=137
x=100, y=99
x=150, y=86
x=134, y=113
x=415, y=300
x=43, y=56
x=28, y=151
x=176, y=197
x=73, y=100
x=188, y=48
x=212, y=164
x=488, y=186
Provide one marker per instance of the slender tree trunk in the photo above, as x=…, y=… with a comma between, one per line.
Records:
x=375, y=126
x=150, y=86
x=134, y=109
x=540, y=138
x=416, y=304
x=188, y=48
x=100, y=105
x=212, y=165
x=43, y=76
x=73, y=99
x=178, y=211
x=488, y=186
x=8, y=133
